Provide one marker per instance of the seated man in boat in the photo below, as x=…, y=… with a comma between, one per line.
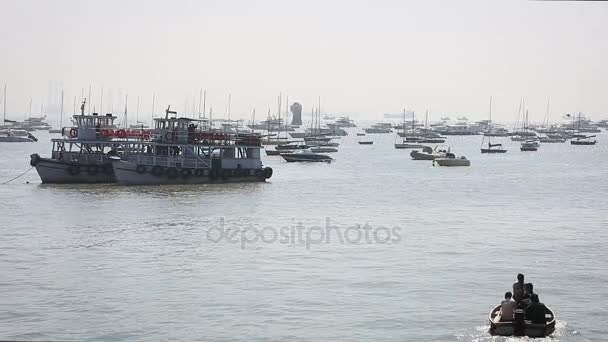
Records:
x=528, y=292
x=518, y=288
x=507, y=308
x=535, y=312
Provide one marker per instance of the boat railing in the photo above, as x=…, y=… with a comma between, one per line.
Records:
x=76, y=157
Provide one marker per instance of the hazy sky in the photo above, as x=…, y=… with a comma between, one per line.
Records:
x=363, y=58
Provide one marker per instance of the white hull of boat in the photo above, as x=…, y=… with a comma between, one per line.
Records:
x=53, y=171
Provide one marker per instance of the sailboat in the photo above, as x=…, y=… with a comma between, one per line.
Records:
x=529, y=145
x=491, y=148
x=404, y=144
x=581, y=139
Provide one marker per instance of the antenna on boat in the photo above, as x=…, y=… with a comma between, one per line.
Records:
x=153, y=100
x=84, y=102
x=90, y=99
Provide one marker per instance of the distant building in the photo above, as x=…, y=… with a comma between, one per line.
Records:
x=296, y=110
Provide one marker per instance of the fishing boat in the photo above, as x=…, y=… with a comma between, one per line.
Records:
x=492, y=148
x=519, y=326
x=428, y=153
x=187, y=151
x=451, y=160
x=306, y=156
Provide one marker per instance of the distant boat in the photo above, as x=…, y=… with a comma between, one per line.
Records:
x=16, y=135
x=306, y=156
x=366, y=142
x=581, y=139
x=451, y=160
x=362, y=134
x=429, y=153
x=492, y=148
x=529, y=145
x=404, y=144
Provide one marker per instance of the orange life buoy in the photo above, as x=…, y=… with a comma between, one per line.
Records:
x=73, y=133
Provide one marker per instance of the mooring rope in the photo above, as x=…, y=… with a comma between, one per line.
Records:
x=10, y=180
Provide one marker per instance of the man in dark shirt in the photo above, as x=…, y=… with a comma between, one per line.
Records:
x=535, y=312
x=518, y=288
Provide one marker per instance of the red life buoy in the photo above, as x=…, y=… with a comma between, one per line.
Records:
x=105, y=133
x=73, y=133
x=121, y=133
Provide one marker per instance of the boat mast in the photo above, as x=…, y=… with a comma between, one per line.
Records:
x=153, y=100
x=61, y=112
x=137, y=111
x=101, y=101
x=4, y=110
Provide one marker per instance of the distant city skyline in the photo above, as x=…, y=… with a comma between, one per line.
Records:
x=363, y=58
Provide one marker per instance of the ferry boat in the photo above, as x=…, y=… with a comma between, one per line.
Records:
x=187, y=151
x=82, y=155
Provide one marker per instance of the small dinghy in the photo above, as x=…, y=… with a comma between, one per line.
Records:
x=519, y=326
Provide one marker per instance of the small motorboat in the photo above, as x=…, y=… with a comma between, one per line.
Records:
x=366, y=142
x=306, y=156
x=519, y=326
x=451, y=160
x=429, y=153
x=529, y=145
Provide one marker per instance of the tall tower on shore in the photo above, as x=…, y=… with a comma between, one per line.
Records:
x=296, y=110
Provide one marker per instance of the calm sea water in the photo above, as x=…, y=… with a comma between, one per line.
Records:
x=225, y=262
